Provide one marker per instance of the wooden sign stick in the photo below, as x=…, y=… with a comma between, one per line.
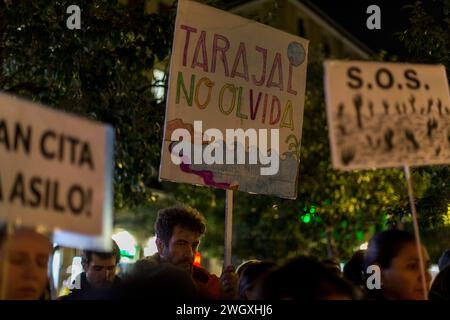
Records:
x=416, y=231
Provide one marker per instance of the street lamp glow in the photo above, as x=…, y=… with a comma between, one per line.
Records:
x=151, y=248
x=126, y=242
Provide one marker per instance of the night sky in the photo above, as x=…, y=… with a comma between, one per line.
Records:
x=352, y=17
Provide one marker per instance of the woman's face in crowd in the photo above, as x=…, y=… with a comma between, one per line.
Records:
x=27, y=265
x=402, y=280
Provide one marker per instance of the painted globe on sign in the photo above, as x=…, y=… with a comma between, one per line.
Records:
x=296, y=53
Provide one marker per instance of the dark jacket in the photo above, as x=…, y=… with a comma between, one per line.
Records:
x=84, y=291
x=208, y=285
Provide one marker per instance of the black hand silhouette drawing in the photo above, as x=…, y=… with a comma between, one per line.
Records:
x=341, y=110
x=397, y=107
x=386, y=107
x=388, y=139
x=410, y=137
x=412, y=101
x=347, y=155
x=369, y=140
x=438, y=151
x=430, y=105
x=439, y=105
x=357, y=101
x=432, y=125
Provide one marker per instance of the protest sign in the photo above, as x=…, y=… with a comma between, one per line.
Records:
x=387, y=114
x=235, y=103
x=55, y=170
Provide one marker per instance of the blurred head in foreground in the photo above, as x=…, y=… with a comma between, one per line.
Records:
x=27, y=264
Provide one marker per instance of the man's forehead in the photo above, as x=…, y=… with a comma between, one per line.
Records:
x=97, y=261
x=183, y=233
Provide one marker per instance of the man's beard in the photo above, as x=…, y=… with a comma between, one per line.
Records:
x=184, y=264
x=188, y=267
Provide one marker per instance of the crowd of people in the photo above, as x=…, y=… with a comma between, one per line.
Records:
x=388, y=270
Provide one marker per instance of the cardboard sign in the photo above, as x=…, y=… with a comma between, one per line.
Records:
x=235, y=103
x=55, y=169
x=387, y=114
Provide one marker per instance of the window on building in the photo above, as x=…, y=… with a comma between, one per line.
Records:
x=164, y=10
x=326, y=49
x=301, y=28
x=158, y=89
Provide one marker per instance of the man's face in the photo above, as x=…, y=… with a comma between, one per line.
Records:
x=181, y=248
x=101, y=272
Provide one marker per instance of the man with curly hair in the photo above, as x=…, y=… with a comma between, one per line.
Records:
x=178, y=233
